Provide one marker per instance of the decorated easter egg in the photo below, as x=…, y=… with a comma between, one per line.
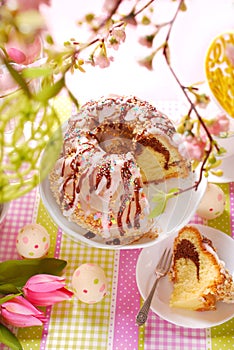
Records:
x=89, y=283
x=212, y=204
x=33, y=241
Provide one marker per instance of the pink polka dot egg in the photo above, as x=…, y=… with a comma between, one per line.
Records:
x=89, y=283
x=33, y=241
x=212, y=204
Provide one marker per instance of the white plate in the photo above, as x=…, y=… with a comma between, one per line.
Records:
x=160, y=304
x=178, y=212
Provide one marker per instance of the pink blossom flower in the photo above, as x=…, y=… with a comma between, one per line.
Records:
x=109, y=5
x=19, y=312
x=146, y=40
x=44, y=290
x=117, y=37
x=102, y=60
x=24, y=5
x=23, y=53
x=147, y=62
x=195, y=147
x=221, y=124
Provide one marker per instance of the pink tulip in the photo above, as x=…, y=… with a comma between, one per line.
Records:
x=19, y=312
x=45, y=290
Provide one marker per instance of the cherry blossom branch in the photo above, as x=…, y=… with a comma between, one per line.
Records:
x=143, y=8
x=184, y=90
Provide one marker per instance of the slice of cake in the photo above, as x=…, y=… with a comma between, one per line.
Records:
x=200, y=278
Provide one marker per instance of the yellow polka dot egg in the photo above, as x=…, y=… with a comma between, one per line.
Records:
x=89, y=283
x=212, y=204
x=33, y=241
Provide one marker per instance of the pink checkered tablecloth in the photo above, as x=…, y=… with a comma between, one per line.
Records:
x=110, y=324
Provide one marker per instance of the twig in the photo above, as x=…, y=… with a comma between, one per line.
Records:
x=183, y=88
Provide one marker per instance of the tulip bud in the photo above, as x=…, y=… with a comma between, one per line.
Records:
x=45, y=290
x=19, y=312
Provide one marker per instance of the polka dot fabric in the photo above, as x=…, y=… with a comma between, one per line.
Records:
x=128, y=301
x=219, y=336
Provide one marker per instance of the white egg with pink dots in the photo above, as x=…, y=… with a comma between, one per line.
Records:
x=212, y=204
x=33, y=241
x=89, y=283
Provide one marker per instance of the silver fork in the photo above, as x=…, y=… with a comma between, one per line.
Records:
x=160, y=271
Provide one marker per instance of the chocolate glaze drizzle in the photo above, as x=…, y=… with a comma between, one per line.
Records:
x=126, y=198
x=104, y=171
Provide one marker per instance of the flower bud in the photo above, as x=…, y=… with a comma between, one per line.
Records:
x=19, y=312
x=45, y=290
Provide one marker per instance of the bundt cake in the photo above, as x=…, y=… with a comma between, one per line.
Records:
x=112, y=149
x=199, y=277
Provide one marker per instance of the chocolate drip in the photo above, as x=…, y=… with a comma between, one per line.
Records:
x=75, y=164
x=128, y=222
x=120, y=214
x=126, y=176
x=104, y=171
x=126, y=197
x=185, y=249
x=69, y=204
x=63, y=168
x=137, y=187
x=81, y=179
x=91, y=146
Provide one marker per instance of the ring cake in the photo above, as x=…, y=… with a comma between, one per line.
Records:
x=113, y=148
x=200, y=278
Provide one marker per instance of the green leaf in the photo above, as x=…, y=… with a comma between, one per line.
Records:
x=50, y=91
x=221, y=150
x=8, y=288
x=8, y=297
x=17, y=77
x=161, y=199
x=158, y=209
x=36, y=72
x=171, y=193
x=74, y=99
x=159, y=196
x=51, y=152
x=9, y=339
x=17, y=272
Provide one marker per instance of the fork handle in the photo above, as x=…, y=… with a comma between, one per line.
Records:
x=143, y=312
